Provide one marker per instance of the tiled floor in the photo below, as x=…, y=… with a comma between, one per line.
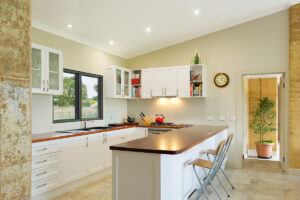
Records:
x=258, y=180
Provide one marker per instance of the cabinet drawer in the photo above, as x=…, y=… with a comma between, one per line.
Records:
x=44, y=161
x=45, y=172
x=44, y=148
x=44, y=184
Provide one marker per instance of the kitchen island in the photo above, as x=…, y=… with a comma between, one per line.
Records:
x=157, y=167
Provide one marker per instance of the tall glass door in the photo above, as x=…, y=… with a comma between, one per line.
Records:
x=37, y=82
x=126, y=84
x=118, y=82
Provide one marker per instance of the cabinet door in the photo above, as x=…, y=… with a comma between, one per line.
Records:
x=54, y=72
x=95, y=159
x=170, y=81
x=146, y=84
x=111, y=139
x=183, y=81
x=157, y=82
x=141, y=133
x=38, y=83
x=126, y=84
x=73, y=158
x=118, y=83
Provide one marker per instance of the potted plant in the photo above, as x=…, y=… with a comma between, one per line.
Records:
x=263, y=122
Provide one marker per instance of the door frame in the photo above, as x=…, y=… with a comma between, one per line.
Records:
x=283, y=126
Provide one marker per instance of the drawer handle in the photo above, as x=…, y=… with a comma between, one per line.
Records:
x=43, y=149
x=39, y=186
x=42, y=173
x=41, y=161
x=122, y=138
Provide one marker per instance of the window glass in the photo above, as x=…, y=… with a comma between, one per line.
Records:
x=89, y=97
x=64, y=105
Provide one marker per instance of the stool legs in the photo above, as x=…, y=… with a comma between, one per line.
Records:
x=210, y=182
x=227, y=178
x=202, y=186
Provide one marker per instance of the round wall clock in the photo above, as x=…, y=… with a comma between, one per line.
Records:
x=221, y=79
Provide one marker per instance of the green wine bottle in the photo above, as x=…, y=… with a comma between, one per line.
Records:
x=196, y=59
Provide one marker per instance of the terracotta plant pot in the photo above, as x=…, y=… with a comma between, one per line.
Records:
x=264, y=150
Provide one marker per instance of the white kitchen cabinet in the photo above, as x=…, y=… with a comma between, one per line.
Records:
x=73, y=158
x=146, y=84
x=164, y=82
x=95, y=158
x=118, y=82
x=183, y=81
x=47, y=70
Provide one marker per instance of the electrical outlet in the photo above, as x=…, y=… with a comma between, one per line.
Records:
x=233, y=118
x=210, y=118
x=221, y=118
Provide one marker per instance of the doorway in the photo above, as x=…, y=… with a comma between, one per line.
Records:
x=256, y=87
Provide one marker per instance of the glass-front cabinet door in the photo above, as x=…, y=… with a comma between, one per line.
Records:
x=37, y=69
x=54, y=72
x=47, y=70
x=119, y=77
x=126, y=90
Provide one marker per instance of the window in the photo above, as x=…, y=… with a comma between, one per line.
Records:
x=81, y=99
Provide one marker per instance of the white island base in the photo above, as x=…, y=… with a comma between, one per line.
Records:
x=151, y=176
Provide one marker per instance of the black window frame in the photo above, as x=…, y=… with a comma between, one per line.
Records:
x=78, y=106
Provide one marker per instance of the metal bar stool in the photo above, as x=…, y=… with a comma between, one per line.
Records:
x=212, y=167
x=213, y=153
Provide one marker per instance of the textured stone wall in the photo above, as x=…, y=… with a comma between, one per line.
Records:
x=258, y=88
x=295, y=86
x=15, y=99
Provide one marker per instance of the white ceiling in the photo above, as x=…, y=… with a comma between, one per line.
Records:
x=96, y=22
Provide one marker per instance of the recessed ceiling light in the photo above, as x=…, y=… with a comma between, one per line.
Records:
x=148, y=29
x=111, y=42
x=197, y=12
x=69, y=25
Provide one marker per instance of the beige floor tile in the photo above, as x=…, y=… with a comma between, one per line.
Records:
x=258, y=180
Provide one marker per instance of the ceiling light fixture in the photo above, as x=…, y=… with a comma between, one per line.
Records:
x=111, y=42
x=69, y=25
x=197, y=12
x=148, y=29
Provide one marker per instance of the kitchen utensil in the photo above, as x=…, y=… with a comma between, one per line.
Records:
x=146, y=119
x=159, y=118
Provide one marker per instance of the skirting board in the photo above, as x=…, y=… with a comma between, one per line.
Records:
x=73, y=185
x=293, y=171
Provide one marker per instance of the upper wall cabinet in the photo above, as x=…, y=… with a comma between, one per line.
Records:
x=118, y=83
x=47, y=70
x=163, y=82
x=179, y=81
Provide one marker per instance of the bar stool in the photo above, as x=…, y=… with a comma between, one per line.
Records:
x=213, y=153
x=212, y=166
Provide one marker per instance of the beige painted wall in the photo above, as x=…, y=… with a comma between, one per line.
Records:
x=77, y=57
x=259, y=46
x=260, y=88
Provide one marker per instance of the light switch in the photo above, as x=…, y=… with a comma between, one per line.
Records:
x=210, y=118
x=233, y=118
x=221, y=118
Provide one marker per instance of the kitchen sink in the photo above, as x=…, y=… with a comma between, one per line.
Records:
x=84, y=130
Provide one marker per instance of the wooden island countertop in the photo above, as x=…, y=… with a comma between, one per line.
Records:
x=173, y=142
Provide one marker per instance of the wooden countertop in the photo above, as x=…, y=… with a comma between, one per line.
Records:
x=42, y=137
x=173, y=142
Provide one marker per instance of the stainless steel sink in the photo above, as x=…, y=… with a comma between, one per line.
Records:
x=84, y=130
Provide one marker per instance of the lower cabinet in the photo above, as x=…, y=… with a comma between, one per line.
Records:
x=73, y=158
x=59, y=162
x=95, y=153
